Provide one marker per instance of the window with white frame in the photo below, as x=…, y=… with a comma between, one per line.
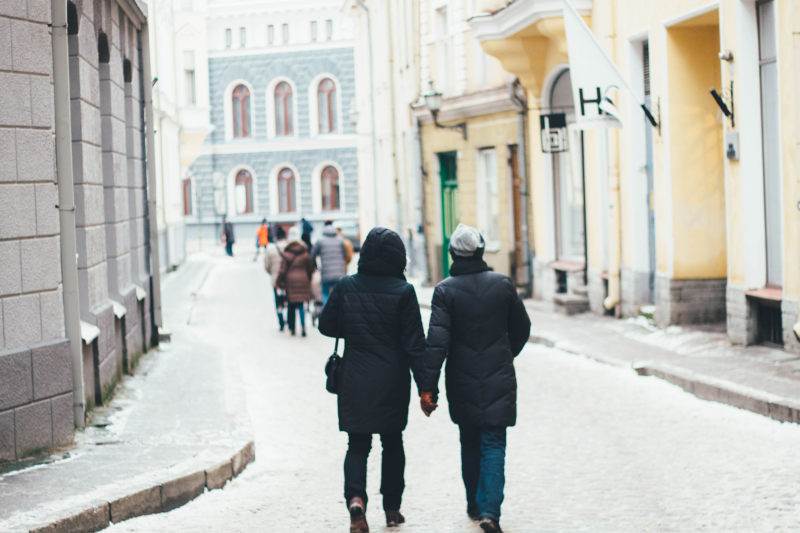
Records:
x=326, y=106
x=240, y=107
x=488, y=204
x=443, y=62
x=190, y=93
x=328, y=29
x=286, y=191
x=242, y=37
x=329, y=187
x=283, y=109
x=270, y=34
x=285, y=32
x=243, y=192
x=313, y=30
x=228, y=37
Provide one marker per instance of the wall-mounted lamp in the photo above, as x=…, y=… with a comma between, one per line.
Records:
x=433, y=101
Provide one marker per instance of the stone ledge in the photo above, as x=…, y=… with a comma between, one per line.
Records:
x=158, y=498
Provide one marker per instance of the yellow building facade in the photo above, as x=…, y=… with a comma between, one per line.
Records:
x=697, y=219
x=472, y=156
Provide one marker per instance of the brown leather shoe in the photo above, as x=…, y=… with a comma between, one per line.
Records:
x=358, y=518
x=394, y=518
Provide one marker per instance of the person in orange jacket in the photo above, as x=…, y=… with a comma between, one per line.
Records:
x=262, y=237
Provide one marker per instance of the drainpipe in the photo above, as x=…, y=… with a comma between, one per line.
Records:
x=420, y=200
x=615, y=257
x=151, y=215
x=520, y=102
x=66, y=205
x=363, y=6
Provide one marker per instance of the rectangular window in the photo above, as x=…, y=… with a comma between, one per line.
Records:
x=242, y=37
x=328, y=29
x=271, y=34
x=443, y=62
x=189, y=78
x=228, y=37
x=285, y=32
x=313, y=30
x=488, y=204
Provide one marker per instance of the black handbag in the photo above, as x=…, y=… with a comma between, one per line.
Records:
x=332, y=369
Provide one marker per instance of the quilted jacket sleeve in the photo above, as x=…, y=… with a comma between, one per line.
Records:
x=438, y=340
x=412, y=338
x=329, y=321
x=519, y=324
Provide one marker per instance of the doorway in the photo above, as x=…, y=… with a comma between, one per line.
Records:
x=450, y=217
x=568, y=179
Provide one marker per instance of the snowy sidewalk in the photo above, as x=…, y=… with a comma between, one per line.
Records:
x=757, y=378
x=174, y=429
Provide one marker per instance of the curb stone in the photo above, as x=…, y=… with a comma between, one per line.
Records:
x=156, y=499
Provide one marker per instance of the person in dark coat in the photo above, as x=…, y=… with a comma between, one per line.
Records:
x=377, y=314
x=332, y=254
x=227, y=235
x=295, y=278
x=479, y=324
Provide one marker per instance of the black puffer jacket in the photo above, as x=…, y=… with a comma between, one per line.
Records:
x=478, y=323
x=376, y=312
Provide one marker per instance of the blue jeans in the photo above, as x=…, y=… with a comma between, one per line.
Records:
x=327, y=289
x=483, y=458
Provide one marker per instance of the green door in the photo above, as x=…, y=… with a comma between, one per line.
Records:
x=447, y=173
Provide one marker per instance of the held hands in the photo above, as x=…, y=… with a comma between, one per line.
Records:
x=427, y=403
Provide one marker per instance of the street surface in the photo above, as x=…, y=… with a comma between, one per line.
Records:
x=596, y=448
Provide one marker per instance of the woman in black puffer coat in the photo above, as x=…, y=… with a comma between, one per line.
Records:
x=377, y=314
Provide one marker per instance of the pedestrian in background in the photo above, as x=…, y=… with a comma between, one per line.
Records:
x=295, y=277
x=348, y=247
x=227, y=235
x=308, y=229
x=377, y=314
x=478, y=323
x=332, y=253
x=262, y=237
x=272, y=264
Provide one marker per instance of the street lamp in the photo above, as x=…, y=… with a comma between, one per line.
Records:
x=433, y=101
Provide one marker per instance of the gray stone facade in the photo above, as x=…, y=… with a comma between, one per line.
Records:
x=741, y=318
x=597, y=291
x=789, y=311
x=689, y=301
x=303, y=150
x=36, y=379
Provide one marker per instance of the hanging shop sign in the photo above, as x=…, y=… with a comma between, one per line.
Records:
x=554, y=132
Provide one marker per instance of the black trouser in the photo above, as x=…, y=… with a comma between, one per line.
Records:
x=392, y=468
x=290, y=317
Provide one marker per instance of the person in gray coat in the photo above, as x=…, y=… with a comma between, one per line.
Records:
x=331, y=250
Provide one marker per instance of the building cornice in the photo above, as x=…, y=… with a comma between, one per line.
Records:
x=293, y=145
x=276, y=50
x=467, y=106
x=516, y=16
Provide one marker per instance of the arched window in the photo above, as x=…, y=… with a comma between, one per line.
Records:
x=241, y=111
x=283, y=109
x=286, y=191
x=326, y=101
x=187, y=196
x=330, y=189
x=243, y=187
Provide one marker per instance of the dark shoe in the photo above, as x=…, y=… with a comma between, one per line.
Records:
x=394, y=518
x=490, y=525
x=303, y=331
x=292, y=332
x=358, y=520
x=472, y=513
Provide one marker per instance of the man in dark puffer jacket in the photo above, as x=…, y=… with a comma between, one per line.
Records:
x=377, y=314
x=478, y=323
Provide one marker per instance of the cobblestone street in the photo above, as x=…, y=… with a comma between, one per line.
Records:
x=596, y=448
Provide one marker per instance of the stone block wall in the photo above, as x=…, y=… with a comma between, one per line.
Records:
x=689, y=301
x=634, y=291
x=35, y=365
x=789, y=311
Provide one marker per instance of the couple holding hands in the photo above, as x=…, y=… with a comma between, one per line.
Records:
x=478, y=323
